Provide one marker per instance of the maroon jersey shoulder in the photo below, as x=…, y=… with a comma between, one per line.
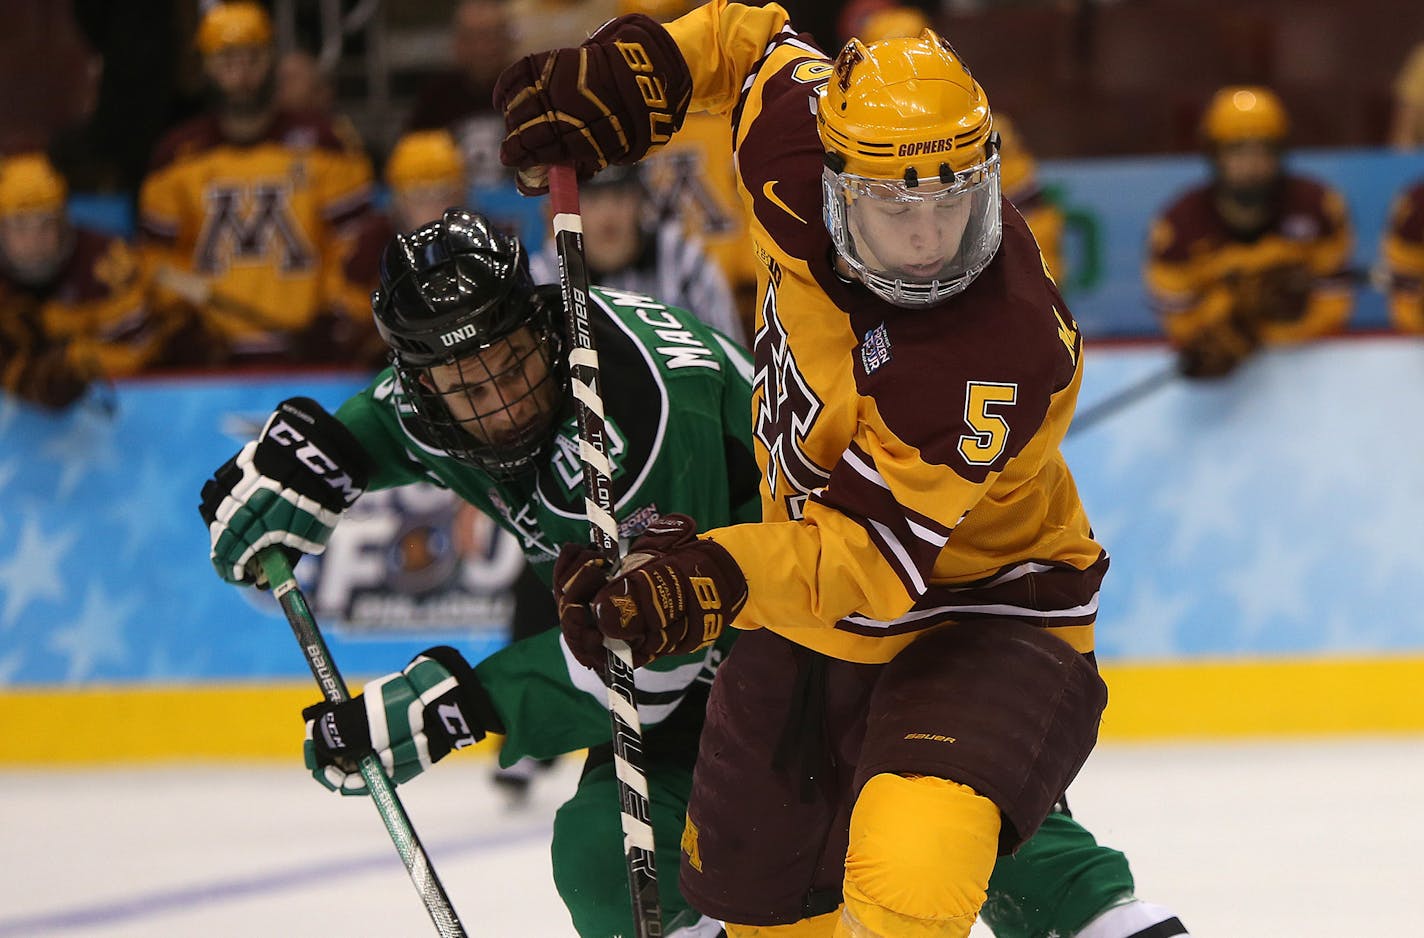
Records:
x=1190, y=217
x=193, y=136
x=99, y=266
x=1301, y=193
x=308, y=130
x=1010, y=331
x=780, y=160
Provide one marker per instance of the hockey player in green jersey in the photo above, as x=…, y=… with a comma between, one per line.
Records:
x=476, y=400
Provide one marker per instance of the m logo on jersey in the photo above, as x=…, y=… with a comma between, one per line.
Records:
x=250, y=224
x=785, y=410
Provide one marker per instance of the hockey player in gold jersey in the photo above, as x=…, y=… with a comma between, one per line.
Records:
x=1257, y=256
x=1018, y=171
x=915, y=686
x=71, y=299
x=244, y=208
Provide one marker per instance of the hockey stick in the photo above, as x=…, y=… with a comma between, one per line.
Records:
x=1154, y=381
x=603, y=531
x=284, y=586
x=1124, y=397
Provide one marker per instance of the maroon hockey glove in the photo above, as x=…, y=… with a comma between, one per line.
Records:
x=1216, y=351
x=50, y=379
x=610, y=100
x=675, y=594
x=579, y=574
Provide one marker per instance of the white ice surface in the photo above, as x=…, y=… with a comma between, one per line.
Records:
x=1280, y=840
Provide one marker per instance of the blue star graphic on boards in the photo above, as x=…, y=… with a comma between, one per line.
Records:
x=1373, y=538
x=8, y=409
x=10, y=666
x=1135, y=441
x=1272, y=585
x=155, y=510
x=95, y=637
x=32, y=572
x=7, y=471
x=1151, y=624
x=87, y=444
x=1205, y=508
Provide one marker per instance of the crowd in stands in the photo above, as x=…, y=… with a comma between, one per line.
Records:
x=259, y=232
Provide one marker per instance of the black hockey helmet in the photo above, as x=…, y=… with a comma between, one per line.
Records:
x=476, y=346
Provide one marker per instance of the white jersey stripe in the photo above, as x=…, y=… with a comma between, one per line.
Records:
x=906, y=565
x=1089, y=608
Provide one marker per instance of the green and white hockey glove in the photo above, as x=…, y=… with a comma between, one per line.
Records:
x=410, y=719
x=288, y=487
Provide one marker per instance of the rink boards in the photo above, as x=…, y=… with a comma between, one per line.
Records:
x=1264, y=533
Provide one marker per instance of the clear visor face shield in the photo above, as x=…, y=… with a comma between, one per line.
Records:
x=915, y=245
x=494, y=408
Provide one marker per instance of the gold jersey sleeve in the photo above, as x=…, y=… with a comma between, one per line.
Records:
x=911, y=476
x=1403, y=249
x=251, y=231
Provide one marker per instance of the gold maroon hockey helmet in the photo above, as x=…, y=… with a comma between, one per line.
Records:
x=423, y=158
x=239, y=23
x=30, y=183
x=35, y=235
x=911, y=182
x=1244, y=112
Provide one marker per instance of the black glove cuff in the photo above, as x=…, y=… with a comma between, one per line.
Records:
x=304, y=447
x=324, y=429
x=341, y=733
x=477, y=701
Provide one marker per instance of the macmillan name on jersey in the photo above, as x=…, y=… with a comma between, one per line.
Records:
x=683, y=348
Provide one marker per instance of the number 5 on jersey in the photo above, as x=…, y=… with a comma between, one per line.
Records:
x=990, y=431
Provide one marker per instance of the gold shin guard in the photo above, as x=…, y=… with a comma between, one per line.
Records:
x=921, y=851
x=822, y=926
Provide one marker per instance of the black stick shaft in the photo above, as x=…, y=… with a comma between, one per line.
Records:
x=603, y=531
x=383, y=793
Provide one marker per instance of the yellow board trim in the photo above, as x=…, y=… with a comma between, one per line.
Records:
x=1197, y=700
x=1295, y=697
x=143, y=723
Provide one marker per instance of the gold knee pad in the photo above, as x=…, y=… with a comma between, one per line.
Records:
x=921, y=851
x=822, y=926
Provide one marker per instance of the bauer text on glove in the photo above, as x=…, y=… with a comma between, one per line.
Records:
x=612, y=99
x=675, y=594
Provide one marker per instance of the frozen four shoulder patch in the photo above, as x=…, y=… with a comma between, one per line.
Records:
x=875, y=348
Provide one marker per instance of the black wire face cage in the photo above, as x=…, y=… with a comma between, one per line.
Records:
x=500, y=404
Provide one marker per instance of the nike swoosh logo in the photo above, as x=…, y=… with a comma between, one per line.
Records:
x=771, y=196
